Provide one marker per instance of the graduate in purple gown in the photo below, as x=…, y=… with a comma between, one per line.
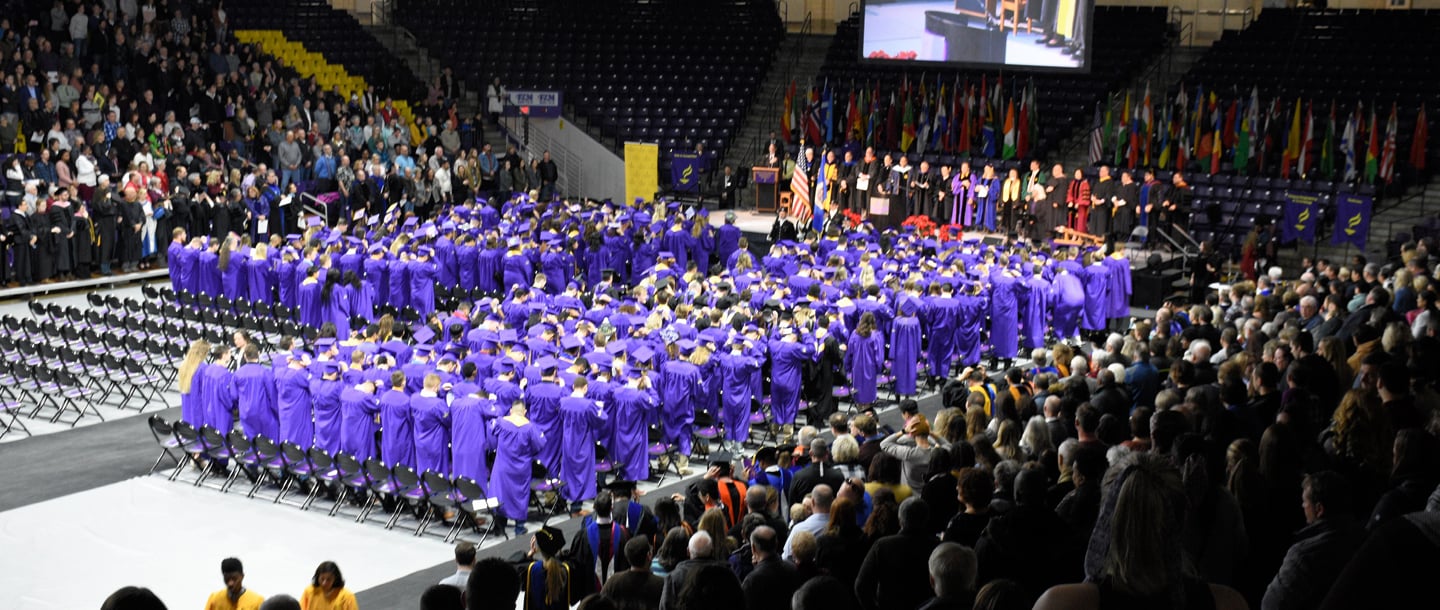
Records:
x=285, y=278
x=292, y=395
x=1037, y=310
x=432, y=428
x=447, y=265
x=970, y=322
x=1004, y=315
x=399, y=276
x=788, y=356
x=489, y=264
x=325, y=396
x=865, y=359
x=362, y=297
x=942, y=314
x=231, y=266
x=1068, y=289
x=397, y=426
x=335, y=304
x=580, y=417
x=255, y=387
x=518, y=445
x=543, y=401
x=517, y=270
x=217, y=391
x=905, y=345
x=1096, y=278
x=207, y=271
x=310, y=309
x=681, y=385
x=736, y=367
x=422, y=280
x=181, y=261
x=375, y=275
x=472, y=420
x=259, y=275
x=466, y=258
x=632, y=406
x=358, y=408
x=1118, y=286
x=189, y=380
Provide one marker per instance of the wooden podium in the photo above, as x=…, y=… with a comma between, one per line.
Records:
x=767, y=190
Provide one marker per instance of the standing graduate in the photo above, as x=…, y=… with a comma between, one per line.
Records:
x=232, y=266
x=905, y=345
x=207, y=269
x=1033, y=319
x=1096, y=278
x=181, y=261
x=516, y=267
x=335, y=301
x=1004, y=316
x=789, y=354
x=255, y=387
x=1068, y=292
x=432, y=428
x=359, y=408
x=325, y=396
x=310, y=307
x=580, y=417
x=285, y=284
x=865, y=360
x=542, y=399
x=633, y=406
x=942, y=315
x=472, y=420
x=518, y=445
x=736, y=367
x=970, y=325
x=398, y=296
x=189, y=380
x=423, y=271
x=217, y=391
x=1117, y=288
x=292, y=395
x=397, y=424
x=681, y=385
x=260, y=275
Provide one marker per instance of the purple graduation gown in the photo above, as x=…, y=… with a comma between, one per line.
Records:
x=1069, y=300
x=680, y=386
x=325, y=395
x=542, y=399
x=232, y=281
x=310, y=309
x=217, y=397
x=259, y=278
x=1096, y=279
x=285, y=283
x=904, y=353
x=182, y=267
x=1004, y=315
x=633, y=409
x=471, y=424
x=207, y=273
x=516, y=448
x=293, y=397
x=432, y=433
x=942, y=317
x=255, y=387
x=1037, y=309
x=357, y=423
x=422, y=286
x=337, y=310
x=1118, y=287
x=971, y=320
x=736, y=396
x=399, y=295
x=864, y=360
x=397, y=436
x=785, y=376
x=191, y=406
x=579, y=418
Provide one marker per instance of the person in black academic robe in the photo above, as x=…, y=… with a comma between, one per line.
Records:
x=868, y=178
x=783, y=229
x=1102, y=201
x=46, y=246
x=22, y=233
x=84, y=242
x=132, y=226
x=106, y=213
x=1126, y=199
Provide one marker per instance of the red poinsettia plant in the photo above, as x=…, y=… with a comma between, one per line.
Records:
x=950, y=231
x=852, y=219
x=922, y=224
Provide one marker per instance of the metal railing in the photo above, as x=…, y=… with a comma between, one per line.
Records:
x=775, y=97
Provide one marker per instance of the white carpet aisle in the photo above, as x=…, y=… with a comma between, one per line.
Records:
x=72, y=552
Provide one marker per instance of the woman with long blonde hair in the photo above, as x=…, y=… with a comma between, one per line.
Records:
x=190, y=408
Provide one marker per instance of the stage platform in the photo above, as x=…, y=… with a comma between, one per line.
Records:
x=94, y=283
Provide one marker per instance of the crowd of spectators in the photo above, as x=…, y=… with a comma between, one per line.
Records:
x=101, y=98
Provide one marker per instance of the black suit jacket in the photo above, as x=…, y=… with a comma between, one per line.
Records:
x=770, y=585
x=896, y=572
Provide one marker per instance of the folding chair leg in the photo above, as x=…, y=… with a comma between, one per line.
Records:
x=395, y=518
x=284, y=489
x=340, y=499
x=425, y=519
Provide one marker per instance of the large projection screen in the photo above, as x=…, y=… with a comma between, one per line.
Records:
x=1022, y=34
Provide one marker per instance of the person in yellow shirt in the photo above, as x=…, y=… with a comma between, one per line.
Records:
x=234, y=596
x=327, y=590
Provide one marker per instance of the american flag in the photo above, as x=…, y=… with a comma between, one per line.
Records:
x=800, y=209
x=1097, y=139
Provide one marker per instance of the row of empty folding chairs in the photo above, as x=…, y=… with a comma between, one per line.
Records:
x=307, y=474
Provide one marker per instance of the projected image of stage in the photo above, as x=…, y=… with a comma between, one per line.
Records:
x=1048, y=34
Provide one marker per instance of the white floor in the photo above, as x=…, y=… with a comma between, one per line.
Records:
x=39, y=426
x=72, y=552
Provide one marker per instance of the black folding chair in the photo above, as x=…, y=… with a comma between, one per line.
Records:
x=269, y=464
x=409, y=492
x=243, y=459
x=382, y=487
x=542, y=484
x=165, y=437
x=217, y=450
x=10, y=407
x=190, y=443
x=297, y=469
x=470, y=501
x=353, y=481
x=323, y=475
x=439, y=499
